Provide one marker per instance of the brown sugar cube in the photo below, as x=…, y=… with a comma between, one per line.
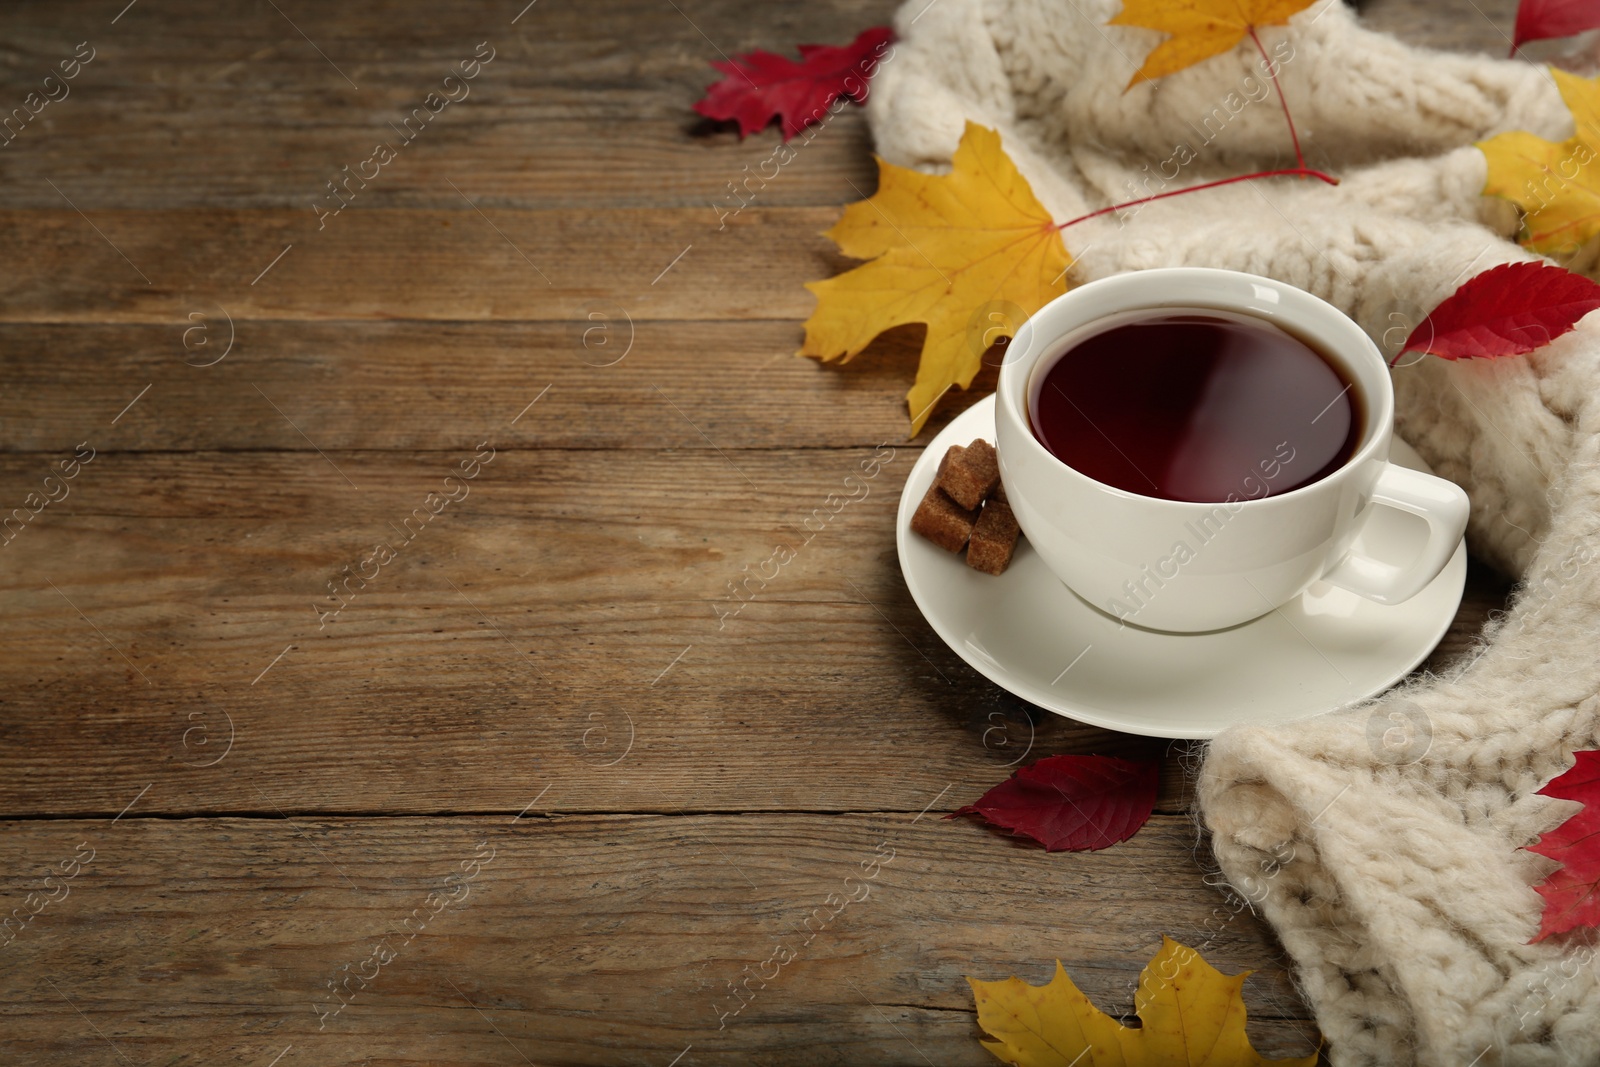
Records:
x=969, y=477
x=999, y=493
x=951, y=454
x=993, y=539
x=943, y=521
x=940, y=519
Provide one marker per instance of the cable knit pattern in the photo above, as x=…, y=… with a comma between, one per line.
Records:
x=1407, y=902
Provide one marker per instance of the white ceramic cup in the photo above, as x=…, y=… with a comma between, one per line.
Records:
x=1240, y=559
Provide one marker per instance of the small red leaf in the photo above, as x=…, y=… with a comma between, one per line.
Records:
x=1072, y=803
x=1540, y=20
x=1506, y=311
x=762, y=85
x=1572, y=894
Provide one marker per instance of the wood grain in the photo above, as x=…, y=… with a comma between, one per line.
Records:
x=461, y=265
x=383, y=386
x=229, y=105
x=588, y=940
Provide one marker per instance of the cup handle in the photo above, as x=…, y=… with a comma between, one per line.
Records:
x=1439, y=503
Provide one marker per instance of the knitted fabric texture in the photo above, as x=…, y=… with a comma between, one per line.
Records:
x=1406, y=901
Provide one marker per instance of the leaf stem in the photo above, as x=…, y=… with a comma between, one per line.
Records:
x=1301, y=172
x=1272, y=72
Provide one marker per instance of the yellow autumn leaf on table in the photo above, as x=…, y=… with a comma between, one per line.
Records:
x=942, y=248
x=1192, y=1016
x=1200, y=28
x=1552, y=181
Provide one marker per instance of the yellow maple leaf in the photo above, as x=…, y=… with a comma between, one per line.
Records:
x=942, y=248
x=1192, y=1013
x=1549, y=180
x=1200, y=28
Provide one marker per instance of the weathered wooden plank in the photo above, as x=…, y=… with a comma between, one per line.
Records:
x=557, y=597
x=583, y=940
x=501, y=156
x=562, y=599
x=573, y=109
x=387, y=385
x=450, y=262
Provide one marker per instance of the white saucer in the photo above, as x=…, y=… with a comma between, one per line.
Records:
x=1026, y=632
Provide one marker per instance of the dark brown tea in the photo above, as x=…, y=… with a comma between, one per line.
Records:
x=1199, y=405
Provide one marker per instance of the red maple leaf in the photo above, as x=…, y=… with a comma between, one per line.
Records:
x=1505, y=311
x=762, y=85
x=1540, y=20
x=1572, y=894
x=1072, y=803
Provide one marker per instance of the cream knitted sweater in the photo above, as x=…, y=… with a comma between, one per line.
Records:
x=1407, y=905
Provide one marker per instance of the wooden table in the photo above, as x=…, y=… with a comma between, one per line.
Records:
x=516, y=771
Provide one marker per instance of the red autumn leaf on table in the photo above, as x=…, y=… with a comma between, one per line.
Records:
x=762, y=85
x=1540, y=20
x=1572, y=894
x=1506, y=311
x=1072, y=803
